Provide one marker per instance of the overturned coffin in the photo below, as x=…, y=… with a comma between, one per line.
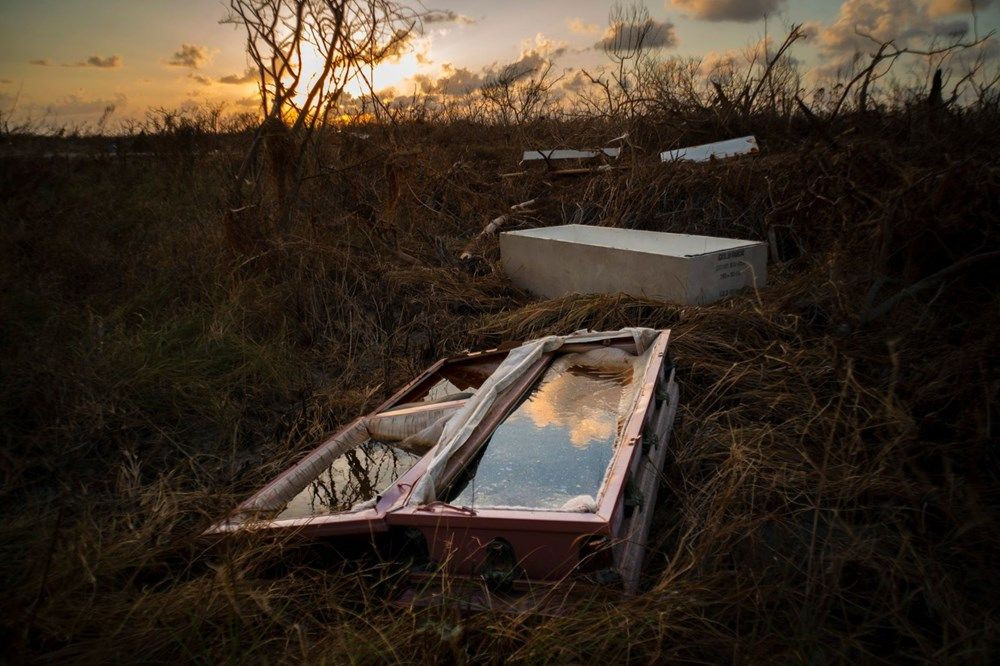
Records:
x=581, y=259
x=527, y=465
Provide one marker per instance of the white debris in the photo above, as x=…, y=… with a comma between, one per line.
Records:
x=496, y=223
x=580, y=504
x=718, y=150
x=534, y=155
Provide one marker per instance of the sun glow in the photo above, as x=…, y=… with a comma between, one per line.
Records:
x=395, y=73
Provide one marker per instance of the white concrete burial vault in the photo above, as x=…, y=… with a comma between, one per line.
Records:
x=578, y=259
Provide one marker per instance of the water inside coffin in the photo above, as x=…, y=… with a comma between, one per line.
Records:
x=354, y=476
x=555, y=446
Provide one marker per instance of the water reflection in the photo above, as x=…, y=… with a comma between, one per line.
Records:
x=556, y=444
x=356, y=476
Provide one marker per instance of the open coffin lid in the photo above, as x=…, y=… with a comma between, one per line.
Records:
x=532, y=446
x=346, y=485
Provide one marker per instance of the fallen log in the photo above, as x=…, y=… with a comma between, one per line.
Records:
x=496, y=223
x=561, y=173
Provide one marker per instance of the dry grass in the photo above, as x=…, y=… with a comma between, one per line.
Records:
x=831, y=492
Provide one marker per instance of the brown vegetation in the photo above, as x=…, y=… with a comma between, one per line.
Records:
x=832, y=488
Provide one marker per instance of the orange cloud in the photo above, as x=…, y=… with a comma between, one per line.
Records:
x=101, y=62
x=249, y=76
x=190, y=55
x=578, y=26
x=938, y=8
x=743, y=11
x=453, y=81
x=447, y=16
x=73, y=105
x=107, y=62
x=649, y=34
x=586, y=409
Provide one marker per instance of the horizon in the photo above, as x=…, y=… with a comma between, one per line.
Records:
x=70, y=65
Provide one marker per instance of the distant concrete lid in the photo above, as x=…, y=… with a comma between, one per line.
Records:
x=719, y=150
x=651, y=242
x=564, y=154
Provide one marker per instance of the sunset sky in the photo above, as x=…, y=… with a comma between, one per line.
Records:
x=69, y=60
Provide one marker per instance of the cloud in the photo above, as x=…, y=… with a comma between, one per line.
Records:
x=8, y=103
x=576, y=81
x=955, y=29
x=988, y=51
x=591, y=419
x=423, y=58
x=578, y=26
x=535, y=55
x=883, y=20
x=101, y=62
x=73, y=105
x=939, y=8
x=908, y=23
x=721, y=66
x=190, y=55
x=648, y=34
x=810, y=29
x=249, y=76
x=203, y=80
x=728, y=10
x=400, y=44
x=107, y=62
x=5, y=81
x=447, y=16
x=716, y=63
x=453, y=81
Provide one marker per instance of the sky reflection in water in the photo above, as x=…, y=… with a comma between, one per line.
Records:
x=555, y=446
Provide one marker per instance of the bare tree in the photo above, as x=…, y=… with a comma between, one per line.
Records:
x=518, y=93
x=306, y=52
x=886, y=55
x=631, y=37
